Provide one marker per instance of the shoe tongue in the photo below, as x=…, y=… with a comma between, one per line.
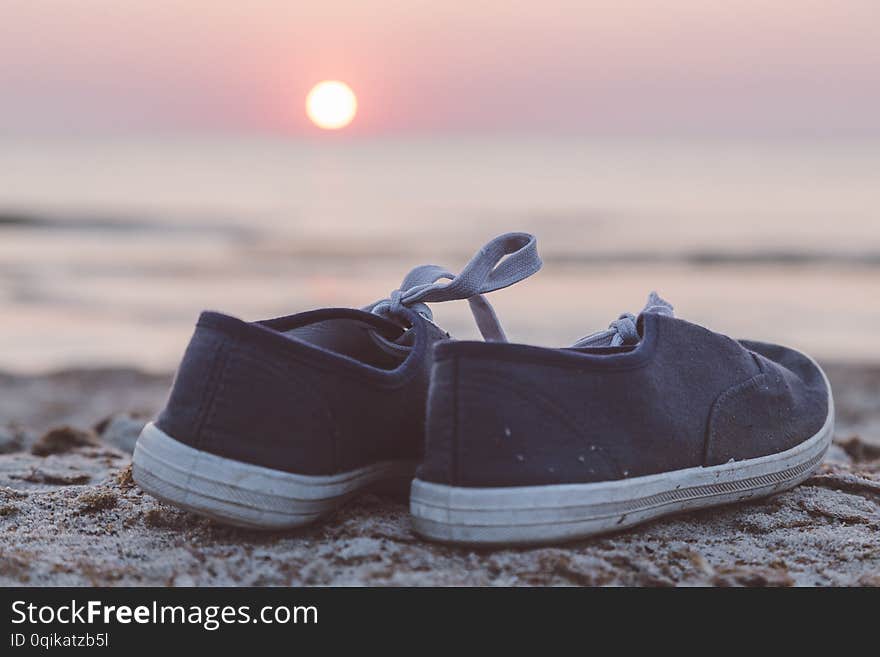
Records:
x=623, y=331
x=658, y=306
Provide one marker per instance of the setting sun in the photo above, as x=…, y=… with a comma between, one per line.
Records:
x=331, y=104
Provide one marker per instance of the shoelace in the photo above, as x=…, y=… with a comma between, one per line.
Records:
x=623, y=331
x=506, y=260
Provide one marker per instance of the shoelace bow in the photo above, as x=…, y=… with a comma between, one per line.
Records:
x=623, y=330
x=506, y=260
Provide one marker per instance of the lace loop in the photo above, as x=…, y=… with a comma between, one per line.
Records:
x=505, y=260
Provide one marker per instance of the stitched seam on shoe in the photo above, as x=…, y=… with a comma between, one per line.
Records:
x=761, y=368
x=718, y=407
x=454, y=456
x=550, y=358
x=217, y=381
x=302, y=354
x=536, y=360
x=218, y=365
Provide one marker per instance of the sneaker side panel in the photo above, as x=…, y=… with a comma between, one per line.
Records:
x=502, y=415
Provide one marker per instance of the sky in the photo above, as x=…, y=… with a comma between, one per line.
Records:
x=737, y=67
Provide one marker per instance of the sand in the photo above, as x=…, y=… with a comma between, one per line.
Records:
x=70, y=514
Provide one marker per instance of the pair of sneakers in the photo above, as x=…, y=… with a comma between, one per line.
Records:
x=274, y=424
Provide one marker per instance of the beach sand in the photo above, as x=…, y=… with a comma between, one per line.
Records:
x=70, y=514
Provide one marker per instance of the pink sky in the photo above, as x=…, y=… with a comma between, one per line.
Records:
x=549, y=66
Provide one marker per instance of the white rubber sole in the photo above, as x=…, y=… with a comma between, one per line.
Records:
x=548, y=514
x=243, y=494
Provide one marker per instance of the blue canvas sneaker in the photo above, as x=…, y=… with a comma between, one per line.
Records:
x=274, y=423
x=653, y=416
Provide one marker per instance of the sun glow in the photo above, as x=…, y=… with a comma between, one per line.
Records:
x=331, y=105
